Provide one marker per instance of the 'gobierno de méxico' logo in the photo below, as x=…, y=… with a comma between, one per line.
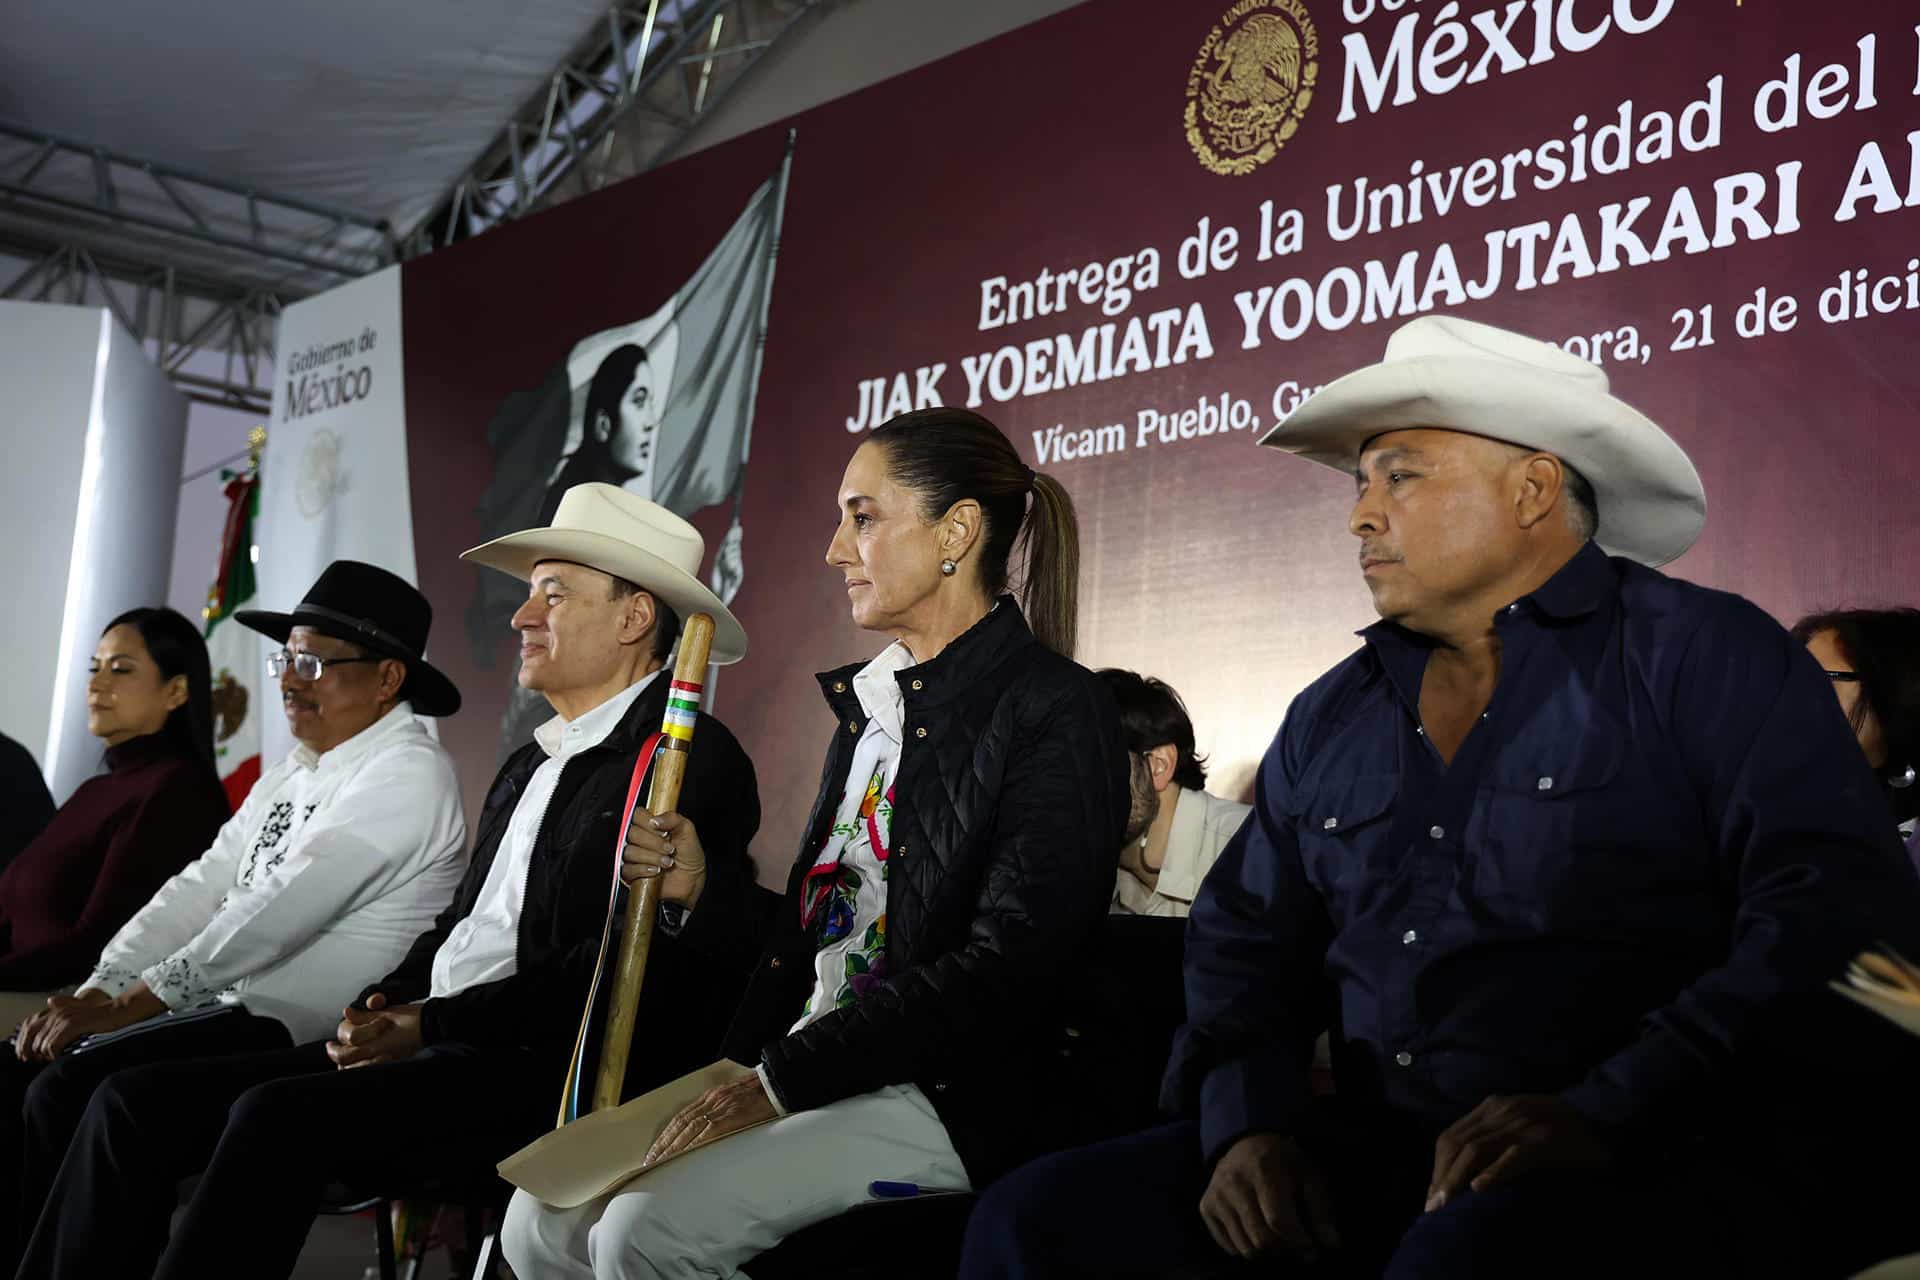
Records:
x=1251, y=84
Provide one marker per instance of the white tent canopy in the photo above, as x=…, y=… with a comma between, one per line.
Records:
x=370, y=107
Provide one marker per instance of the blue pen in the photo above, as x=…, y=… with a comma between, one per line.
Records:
x=882, y=1190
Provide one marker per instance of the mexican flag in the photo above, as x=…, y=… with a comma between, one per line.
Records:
x=238, y=674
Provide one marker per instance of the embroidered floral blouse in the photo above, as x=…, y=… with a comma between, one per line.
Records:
x=845, y=894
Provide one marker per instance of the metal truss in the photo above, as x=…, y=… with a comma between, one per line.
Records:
x=656, y=67
x=199, y=267
x=188, y=263
x=129, y=208
x=179, y=316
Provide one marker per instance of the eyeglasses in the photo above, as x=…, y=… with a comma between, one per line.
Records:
x=1845, y=677
x=308, y=666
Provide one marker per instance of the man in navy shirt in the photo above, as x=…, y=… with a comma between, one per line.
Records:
x=1551, y=856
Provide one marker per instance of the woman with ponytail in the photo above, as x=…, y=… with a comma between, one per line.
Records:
x=907, y=1021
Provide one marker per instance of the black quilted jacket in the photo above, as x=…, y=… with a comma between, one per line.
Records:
x=1009, y=803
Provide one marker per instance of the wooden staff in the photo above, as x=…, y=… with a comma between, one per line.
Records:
x=643, y=897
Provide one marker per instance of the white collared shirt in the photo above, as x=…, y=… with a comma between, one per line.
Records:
x=485, y=947
x=335, y=863
x=1202, y=824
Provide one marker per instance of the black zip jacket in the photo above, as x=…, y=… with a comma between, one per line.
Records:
x=1009, y=804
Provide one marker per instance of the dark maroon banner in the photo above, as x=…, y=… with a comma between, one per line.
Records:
x=1136, y=233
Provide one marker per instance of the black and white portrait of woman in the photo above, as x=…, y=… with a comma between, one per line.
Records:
x=661, y=406
x=618, y=424
x=597, y=417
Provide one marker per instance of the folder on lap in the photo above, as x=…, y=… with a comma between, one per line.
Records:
x=595, y=1154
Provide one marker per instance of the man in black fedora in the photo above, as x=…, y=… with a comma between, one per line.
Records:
x=340, y=856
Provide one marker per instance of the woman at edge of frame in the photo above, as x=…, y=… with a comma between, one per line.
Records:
x=906, y=1021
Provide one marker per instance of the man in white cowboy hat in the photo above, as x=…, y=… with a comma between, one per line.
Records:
x=340, y=855
x=456, y=1058
x=1545, y=856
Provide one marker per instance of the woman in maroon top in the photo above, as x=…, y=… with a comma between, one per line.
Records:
x=124, y=833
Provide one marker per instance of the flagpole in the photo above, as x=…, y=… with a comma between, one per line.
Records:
x=766, y=304
x=759, y=358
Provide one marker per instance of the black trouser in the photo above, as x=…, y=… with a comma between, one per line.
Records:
x=1129, y=1207
x=43, y=1102
x=1805, y=1174
x=272, y=1131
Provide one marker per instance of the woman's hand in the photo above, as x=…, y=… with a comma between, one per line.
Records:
x=722, y=1110
x=666, y=846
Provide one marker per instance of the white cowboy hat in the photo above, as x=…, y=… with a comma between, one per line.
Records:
x=1456, y=375
x=604, y=527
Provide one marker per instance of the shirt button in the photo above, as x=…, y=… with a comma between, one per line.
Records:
x=1330, y=824
x=774, y=963
x=1404, y=1058
x=839, y=686
x=853, y=726
x=1513, y=608
x=1438, y=833
x=1408, y=938
x=921, y=732
x=1545, y=784
x=917, y=686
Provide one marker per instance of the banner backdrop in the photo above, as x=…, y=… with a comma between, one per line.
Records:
x=334, y=485
x=1137, y=234
x=662, y=407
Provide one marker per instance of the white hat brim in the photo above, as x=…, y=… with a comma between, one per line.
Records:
x=1652, y=504
x=517, y=553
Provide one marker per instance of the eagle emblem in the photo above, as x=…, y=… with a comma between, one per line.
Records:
x=1251, y=84
x=229, y=705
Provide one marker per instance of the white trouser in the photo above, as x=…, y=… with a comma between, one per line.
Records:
x=709, y=1213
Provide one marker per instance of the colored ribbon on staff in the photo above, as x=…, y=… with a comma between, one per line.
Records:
x=683, y=709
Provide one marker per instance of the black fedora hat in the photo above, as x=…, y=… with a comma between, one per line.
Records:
x=381, y=612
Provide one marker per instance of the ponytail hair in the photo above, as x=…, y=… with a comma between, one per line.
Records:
x=950, y=455
x=1052, y=537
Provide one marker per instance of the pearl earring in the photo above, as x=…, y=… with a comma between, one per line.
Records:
x=1904, y=781
x=948, y=567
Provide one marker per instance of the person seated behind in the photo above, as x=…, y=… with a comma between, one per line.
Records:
x=26, y=806
x=960, y=856
x=1174, y=832
x=1174, y=829
x=123, y=833
x=456, y=1058
x=1547, y=855
x=340, y=855
x=1872, y=656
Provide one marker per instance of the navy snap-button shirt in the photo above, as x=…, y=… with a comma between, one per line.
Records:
x=1661, y=823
